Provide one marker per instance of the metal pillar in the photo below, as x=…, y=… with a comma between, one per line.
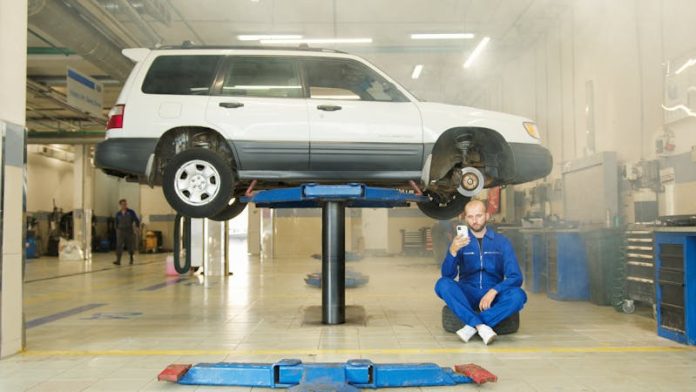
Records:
x=333, y=263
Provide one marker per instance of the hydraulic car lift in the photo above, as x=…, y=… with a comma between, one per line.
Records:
x=333, y=200
x=349, y=376
x=356, y=373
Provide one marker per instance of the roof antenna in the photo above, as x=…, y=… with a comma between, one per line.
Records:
x=304, y=45
x=187, y=44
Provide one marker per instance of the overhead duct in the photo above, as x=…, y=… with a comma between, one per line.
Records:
x=64, y=24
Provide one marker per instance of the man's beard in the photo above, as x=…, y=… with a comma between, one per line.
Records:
x=480, y=229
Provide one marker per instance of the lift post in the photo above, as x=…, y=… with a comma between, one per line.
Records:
x=333, y=263
x=333, y=200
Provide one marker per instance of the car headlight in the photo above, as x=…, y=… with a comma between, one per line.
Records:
x=532, y=129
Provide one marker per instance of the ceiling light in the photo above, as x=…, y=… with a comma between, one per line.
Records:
x=416, y=71
x=267, y=36
x=477, y=51
x=686, y=65
x=443, y=36
x=318, y=41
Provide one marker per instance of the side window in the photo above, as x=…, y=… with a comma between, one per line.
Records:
x=262, y=77
x=181, y=75
x=347, y=79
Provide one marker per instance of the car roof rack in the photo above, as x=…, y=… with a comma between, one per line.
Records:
x=302, y=47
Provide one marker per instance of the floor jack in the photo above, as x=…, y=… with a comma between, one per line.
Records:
x=349, y=376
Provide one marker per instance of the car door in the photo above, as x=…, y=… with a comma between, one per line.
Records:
x=358, y=120
x=259, y=104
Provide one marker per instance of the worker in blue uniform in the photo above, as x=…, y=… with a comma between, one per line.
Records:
x=127, y=223
x=488, y=289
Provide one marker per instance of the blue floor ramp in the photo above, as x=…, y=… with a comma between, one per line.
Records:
x=299, y=376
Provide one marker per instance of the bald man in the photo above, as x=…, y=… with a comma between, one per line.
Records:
x=488, y=289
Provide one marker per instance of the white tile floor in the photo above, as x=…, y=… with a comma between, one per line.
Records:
x=258, y=314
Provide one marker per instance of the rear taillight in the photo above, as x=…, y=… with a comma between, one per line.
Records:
x=116, y=117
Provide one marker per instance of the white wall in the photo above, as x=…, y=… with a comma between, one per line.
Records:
x=48, y=179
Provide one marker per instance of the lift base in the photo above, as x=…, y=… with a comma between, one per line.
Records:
x=349, y=376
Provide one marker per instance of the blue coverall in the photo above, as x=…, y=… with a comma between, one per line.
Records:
x=496, y=267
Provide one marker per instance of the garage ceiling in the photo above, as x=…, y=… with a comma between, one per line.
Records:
x=92, y=33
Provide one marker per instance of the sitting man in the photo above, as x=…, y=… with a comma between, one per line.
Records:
x=490, y=279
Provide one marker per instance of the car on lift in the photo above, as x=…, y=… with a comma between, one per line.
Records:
x=210, y=123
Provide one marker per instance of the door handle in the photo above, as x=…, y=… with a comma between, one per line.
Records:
x=329, y=108
x=231, y=105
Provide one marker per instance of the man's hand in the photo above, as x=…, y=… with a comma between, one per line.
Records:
x=487, y=300
x=458, y=242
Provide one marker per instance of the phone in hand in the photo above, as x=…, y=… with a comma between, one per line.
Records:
x=462, y=230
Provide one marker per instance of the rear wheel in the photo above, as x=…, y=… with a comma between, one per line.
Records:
x=198, y=183
x=440, y=209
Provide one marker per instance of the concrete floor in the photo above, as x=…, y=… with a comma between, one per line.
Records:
x=107, y=328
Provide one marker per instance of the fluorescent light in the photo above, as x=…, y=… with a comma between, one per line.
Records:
x=267, y=36
x=686, y=65
x=416, y=71
x=318, y=41
x=477, y=51
x=443, y=36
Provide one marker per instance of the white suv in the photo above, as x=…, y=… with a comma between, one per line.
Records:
x=205, y=123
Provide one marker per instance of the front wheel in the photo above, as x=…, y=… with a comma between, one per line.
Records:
x=198, y=183
x=444, y=209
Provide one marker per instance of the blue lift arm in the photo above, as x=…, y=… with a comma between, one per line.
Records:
x=313, y=195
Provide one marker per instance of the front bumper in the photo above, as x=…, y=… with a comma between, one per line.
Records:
x=530, y=162
x=124, y=156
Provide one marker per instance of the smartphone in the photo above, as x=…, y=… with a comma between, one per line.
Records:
x=462, y=230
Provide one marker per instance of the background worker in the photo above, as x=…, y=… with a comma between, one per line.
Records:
x=126, y=222
x=489, y=278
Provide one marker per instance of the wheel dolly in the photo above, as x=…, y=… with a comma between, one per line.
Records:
x=356, y=373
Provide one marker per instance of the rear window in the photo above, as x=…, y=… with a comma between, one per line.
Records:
x=348, y=80
x=181, y=75
x=263, y=77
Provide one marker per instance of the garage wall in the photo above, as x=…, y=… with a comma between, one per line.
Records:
x=622, y=48
x=48, y=179
x=156, y=214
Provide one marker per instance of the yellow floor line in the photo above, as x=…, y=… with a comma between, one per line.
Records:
x=356, y=352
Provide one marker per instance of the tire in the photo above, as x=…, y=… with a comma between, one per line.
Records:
x=451, y=323
x=231, y=211
x=434, y=209
x=198, y=183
